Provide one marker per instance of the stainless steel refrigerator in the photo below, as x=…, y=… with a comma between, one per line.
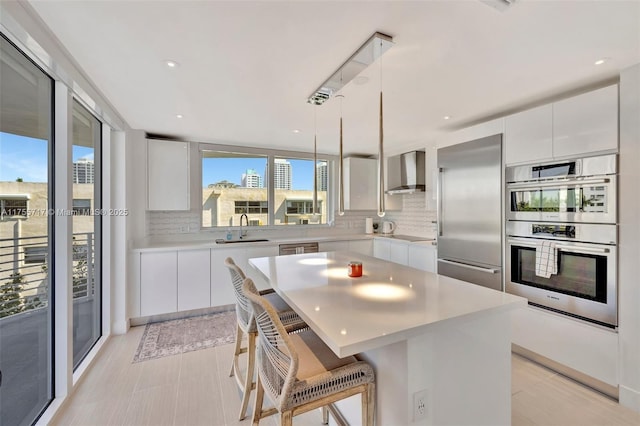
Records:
x=470, y=211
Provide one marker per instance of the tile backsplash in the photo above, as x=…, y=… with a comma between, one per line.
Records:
x=413, y=219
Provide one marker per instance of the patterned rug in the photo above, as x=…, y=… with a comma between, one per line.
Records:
x=174, y=337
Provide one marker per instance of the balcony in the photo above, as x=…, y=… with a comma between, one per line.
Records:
x=25, y=335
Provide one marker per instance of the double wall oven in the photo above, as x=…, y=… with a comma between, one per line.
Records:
x=571, y=204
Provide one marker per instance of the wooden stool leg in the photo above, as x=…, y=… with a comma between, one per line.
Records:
x=257, y=405
x=237, y=350
x=248, y=378
x=368, y=404
x=286, y=418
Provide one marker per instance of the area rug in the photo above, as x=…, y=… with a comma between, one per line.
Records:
x=174, y=337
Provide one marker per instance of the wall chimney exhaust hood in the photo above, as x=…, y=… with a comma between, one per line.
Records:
x=406, y=173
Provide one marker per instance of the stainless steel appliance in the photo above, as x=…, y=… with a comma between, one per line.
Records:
x=585, y=284
x=470, y=211
x=406, y=173
x=581, y=190
x=298, y=248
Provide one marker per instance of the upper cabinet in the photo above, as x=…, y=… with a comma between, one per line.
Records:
x=528, y=135
x=586, y=123
x=581, y=125
x=167, y=175
x=361, y=186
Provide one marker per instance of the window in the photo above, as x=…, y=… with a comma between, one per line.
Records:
x=35, y=254
x=81, y=207
x=249, y=207
x=13, y=207
x=237, y=183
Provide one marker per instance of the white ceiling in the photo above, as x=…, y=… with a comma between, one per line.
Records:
x=247, y=68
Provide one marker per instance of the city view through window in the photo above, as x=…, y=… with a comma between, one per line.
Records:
x=238, y=184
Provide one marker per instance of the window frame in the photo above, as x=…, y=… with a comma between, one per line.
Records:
x=16, y=197
x=271, y=155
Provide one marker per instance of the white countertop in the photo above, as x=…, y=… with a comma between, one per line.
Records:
x=388, y=304
x=211, y=243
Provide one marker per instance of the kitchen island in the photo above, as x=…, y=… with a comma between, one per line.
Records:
x=431, y=339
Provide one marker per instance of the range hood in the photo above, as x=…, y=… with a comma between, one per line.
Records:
x=406, y=173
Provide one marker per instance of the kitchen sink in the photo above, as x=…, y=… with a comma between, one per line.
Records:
x=244, y=240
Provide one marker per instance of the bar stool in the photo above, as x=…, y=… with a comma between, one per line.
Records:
x=299, y=372
x=247, y=325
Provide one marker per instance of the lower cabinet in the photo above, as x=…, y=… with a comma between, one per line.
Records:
x=194, y=278
x=423, y=257
x=222, y=292
x=416, y=255
x=158, y=283
x=333, y=246
x=362, y=246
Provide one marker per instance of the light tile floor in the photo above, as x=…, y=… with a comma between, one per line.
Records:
x=194, y=389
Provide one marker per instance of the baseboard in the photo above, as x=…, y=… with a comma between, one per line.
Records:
x=120, y=327
x=630, y=398
x=600, y=386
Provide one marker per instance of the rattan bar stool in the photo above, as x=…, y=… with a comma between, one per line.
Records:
x=299, y=372
x=247, y=325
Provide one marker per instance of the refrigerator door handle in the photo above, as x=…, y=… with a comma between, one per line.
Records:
x=464, y=265
x=439, y=200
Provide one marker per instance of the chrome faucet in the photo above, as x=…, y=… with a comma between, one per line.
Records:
x=243, y=233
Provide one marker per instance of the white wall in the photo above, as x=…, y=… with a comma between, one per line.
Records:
x=629, y=238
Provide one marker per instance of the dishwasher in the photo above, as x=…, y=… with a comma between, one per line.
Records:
x=298, y=248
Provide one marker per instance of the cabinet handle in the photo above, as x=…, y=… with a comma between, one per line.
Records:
x=439, y=200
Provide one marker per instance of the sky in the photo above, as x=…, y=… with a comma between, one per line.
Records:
x=231, y=169
x=26, y=158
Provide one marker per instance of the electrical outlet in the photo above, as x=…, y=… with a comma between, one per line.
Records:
x=420, y=405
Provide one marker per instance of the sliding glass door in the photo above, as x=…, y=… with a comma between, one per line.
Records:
x=26, y=255
x=86, y=285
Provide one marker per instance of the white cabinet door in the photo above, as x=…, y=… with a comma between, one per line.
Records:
x=194, y=279
x=586, y=123
x=167, y=175
x=382, y=248
x=158, y=283
x=528, y=136
x=251, y=252
x=399, y=252
x=334, y=246
x=222, y=292
x=422, y=257
x=361, y=246
x=360, y=183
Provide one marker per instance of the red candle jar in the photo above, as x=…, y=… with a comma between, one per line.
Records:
x=355, y=269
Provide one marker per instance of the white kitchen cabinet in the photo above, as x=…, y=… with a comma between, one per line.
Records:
x=361, y=188
x=158, y=283
x=382, y=248
x=574, y=127
x=586, y=123
x=423, y=256
x=361, y=246
x=167, y=175
x=194, y=279
x=250, y=252
x=529, y=136
x=399, y=252
x=222, y=292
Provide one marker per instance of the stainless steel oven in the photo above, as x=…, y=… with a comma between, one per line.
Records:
x=586, y=257
x=580, y=190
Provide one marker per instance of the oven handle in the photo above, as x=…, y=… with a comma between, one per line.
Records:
x=572, y=249
x=464, y=265
x=561, y=183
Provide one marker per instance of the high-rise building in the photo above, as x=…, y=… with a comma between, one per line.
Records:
x=321, y=176
x=83, y=171
x=281, y=174
x=251, y=179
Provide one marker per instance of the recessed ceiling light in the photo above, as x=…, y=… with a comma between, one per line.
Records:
x=601, y=61
x=171, y=64
x=447, y=117
x=296, y=131
x=179, y=115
